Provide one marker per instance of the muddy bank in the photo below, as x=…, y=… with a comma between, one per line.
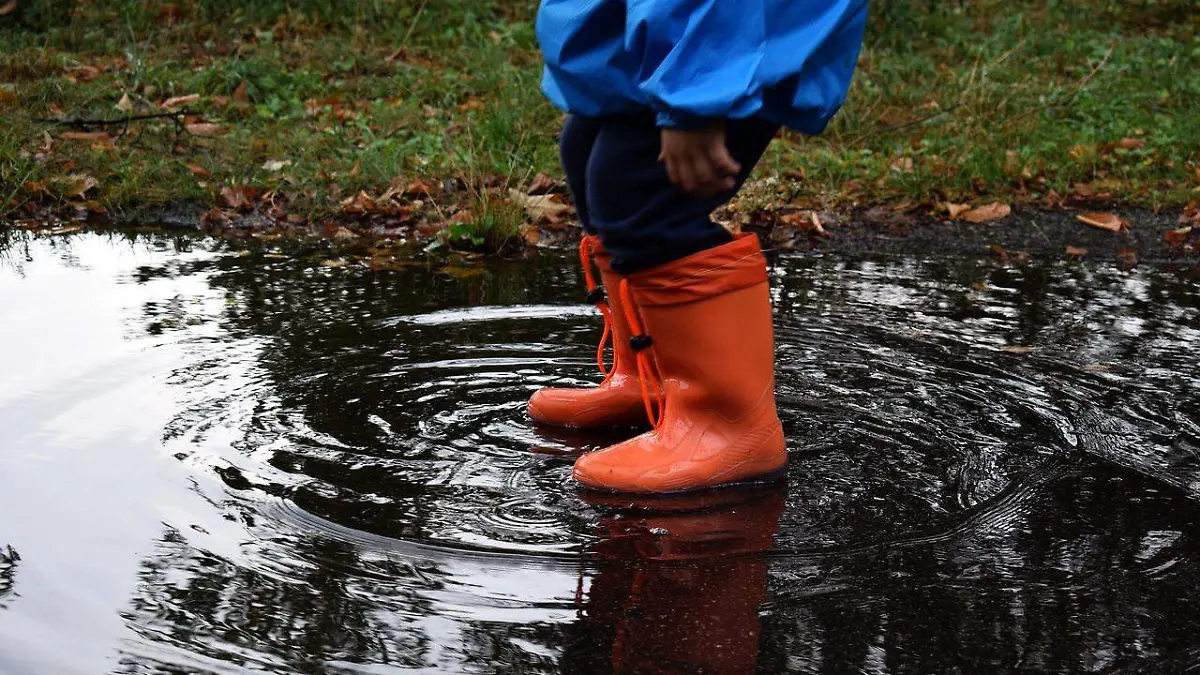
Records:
x=1027, y=233
x=1169, y=236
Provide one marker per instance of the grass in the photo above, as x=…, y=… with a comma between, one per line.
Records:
x=317, y=100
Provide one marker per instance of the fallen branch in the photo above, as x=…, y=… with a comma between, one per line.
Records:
x=81, y=123
x=123, y=122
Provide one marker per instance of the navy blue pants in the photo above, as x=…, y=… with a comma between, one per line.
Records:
x=623, y=194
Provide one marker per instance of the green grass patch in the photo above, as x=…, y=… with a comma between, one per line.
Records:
x=315, y=100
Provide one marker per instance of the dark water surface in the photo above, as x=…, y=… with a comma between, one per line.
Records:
x=223, y=463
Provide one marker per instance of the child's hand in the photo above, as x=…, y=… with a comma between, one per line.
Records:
x=698, y=161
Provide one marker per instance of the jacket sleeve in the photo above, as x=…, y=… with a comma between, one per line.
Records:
x=704, y=59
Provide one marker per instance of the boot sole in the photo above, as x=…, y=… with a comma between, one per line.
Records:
x=777, y=476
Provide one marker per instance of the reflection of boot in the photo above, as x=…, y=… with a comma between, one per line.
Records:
x=706, y=362
x=680, y=591
x=617, y=401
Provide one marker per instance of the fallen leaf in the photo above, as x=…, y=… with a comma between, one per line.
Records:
x=238, y=196
x=343, y=235
x=77, y=185
x=1104, y=221
x=1076, y=251
x=8, y=7
x=1016, y=349
x=97, y=136
x=987, y=213
x=797, y=173
x=1178, y=237
x=806, y=221
x=176, y=101
x=125, y=105
x=240, y=94
x=198, y=171
x=956, y=210
x=275, y=164
x=205, y=129
x=418, y=187
x=1129, y=143
x=541, y=206
x=359, y=203
x=903, y=165
x=543, y=184
x=530, y=234
x=1127, y=258
x=335, y=262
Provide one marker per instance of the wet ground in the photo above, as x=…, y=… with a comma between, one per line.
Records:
x=224, y=463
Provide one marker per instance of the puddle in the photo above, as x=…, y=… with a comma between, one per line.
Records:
x=215, y=463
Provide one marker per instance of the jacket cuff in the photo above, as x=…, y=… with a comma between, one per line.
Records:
x=675, y=119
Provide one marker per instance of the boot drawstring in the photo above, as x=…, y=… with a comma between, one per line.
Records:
x=647, y=371
x=595, y=295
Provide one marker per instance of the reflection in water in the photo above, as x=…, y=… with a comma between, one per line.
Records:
x=993, y=470
x=8, y=572
x=678, y=585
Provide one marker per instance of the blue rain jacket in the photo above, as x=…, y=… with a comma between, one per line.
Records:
x=788, y=61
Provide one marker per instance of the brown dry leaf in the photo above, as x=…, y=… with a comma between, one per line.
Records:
x=77, y=185
x=543, y=184
x=540, y=206
x=805, y=221
x=1016, y=349
x=472, y=104
x=1129, y=143
x=1178, y=238
x=987, y=213
x=334, y=262
x=238, y=196
x=95, y=136
x=276, y=164
x=344, y=236
x=418, y=188
x=903, y=165
x=1190, y=215
x=240, y=94
x=205, y=129
x=125, y=105
x=1076, y=251
x=956, y=210
x=198, y=171
x=530, y=234
x=359, y=203
x=1104, y=221
x=1127, y=258
x=176, y=101
x=8, y=7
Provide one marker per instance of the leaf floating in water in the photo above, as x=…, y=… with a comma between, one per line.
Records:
x=334, y=262
x=1104, y=221
x=1076, y=251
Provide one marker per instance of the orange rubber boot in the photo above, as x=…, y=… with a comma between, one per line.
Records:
x=617, y=402
x=706, y=364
